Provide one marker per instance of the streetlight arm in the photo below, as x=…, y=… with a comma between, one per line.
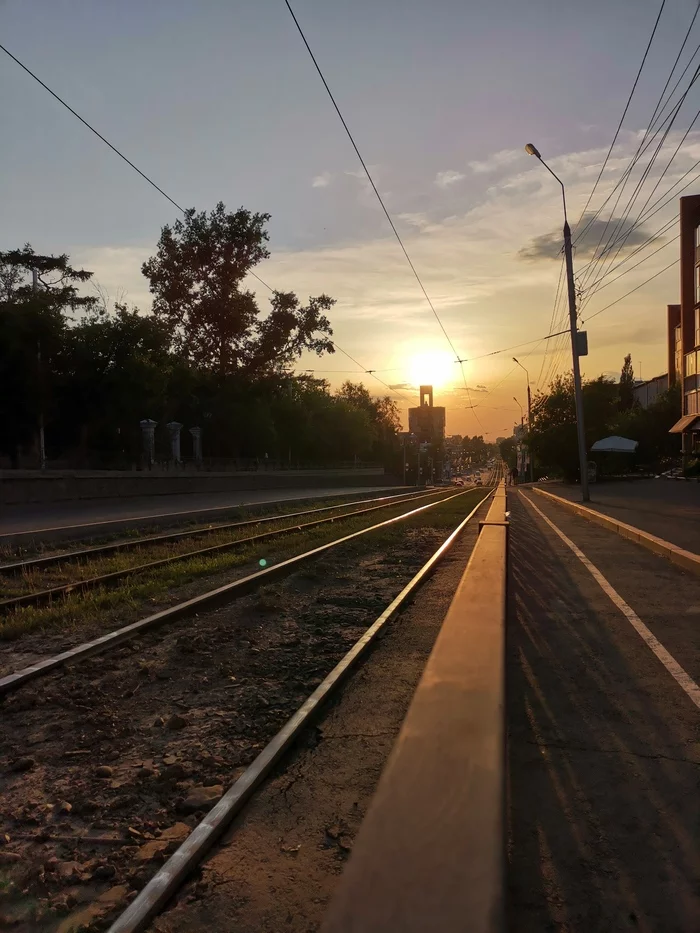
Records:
x=532, y=151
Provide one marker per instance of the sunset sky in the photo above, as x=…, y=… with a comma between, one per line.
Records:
x=218, y=100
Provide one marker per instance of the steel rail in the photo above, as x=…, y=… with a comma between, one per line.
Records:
x=205, y=601
x=42, y=597
x=149, y=902
x=34, y=563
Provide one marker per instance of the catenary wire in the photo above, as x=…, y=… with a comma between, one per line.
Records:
x=154, y=185
x=375, y=189
x=624, y=112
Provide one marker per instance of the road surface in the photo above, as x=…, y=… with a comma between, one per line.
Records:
x=604, y=743
x=668, y=509
x=61, y=518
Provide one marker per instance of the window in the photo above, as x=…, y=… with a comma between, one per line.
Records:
x=697, y=285
x=690, y=364
x=691, y=403
x=697, y=327
x=677, y=334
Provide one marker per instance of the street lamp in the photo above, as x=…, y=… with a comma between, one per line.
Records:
x=578, y=393
x=529, y=419
x=522, y=411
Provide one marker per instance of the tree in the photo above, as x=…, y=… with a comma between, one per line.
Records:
x=32, y=329
x=552, y=435
x=626, y=387
x=196, y=279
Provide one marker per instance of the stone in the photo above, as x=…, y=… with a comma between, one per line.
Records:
x=176, y=721
x=22, y=764
x=158, y=722
x=175, y=772
x=84, y=918
x=104, y=771
x=68, y=871
x=178, y=832
x=151, y=849
x=104, y=872
x=145, y=773
x=9, y=858
x=65, y=807
x=202, y=798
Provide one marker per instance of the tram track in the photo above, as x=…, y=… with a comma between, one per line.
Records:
x=253, y=681
x=113, y=578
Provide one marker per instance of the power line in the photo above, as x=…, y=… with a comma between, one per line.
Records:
x=624, y=112
x=107, y=142
x=161, y=191
x=636, y=288
x=371, y=181
x=646, y=143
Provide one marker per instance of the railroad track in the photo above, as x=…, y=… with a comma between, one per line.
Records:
x=79, y=690
x=48, y=595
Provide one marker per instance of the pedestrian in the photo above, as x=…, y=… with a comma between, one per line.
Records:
x=514, y=476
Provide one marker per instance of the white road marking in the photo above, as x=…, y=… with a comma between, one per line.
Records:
x=669, y=662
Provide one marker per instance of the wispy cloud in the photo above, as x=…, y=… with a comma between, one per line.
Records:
x=447, y=178
x=322, y=181
x=499, y=160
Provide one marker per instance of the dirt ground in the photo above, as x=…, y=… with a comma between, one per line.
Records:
x=279, y=864
x=110, y=764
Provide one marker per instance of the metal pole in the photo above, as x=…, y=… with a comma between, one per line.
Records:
x=578, y=391
x=403, y=461
x=529, y=427
x=42, y=446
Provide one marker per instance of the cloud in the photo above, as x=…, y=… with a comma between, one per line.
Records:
x=402, y=385
x=447, y=178
x=498, y=160
x=322, y=181
x=593, y=242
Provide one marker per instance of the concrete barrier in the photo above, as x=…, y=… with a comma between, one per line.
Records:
x=22, y=488
x=677, y=555
x=430, y=854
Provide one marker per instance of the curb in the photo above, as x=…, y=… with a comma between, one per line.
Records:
x=687, y=560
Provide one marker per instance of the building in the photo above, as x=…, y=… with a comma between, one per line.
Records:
x=684, y=326
x=427, y=422
x=647, y=392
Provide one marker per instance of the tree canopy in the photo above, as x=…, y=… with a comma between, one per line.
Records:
x=196, y=279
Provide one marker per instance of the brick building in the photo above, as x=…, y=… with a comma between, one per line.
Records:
x=684, y=326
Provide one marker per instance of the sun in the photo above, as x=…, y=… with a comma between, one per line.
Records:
x=431, y=369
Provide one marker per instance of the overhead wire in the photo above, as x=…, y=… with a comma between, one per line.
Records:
x=160, y=190
x=379, y=197
x=624, y=112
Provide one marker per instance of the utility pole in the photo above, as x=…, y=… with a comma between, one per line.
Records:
x=42, y=446
x=578, y=392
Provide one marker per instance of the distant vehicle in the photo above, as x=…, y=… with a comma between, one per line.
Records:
x=478, y=481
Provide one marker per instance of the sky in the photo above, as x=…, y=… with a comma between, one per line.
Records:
x=219, y=100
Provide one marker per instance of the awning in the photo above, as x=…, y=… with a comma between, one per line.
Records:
x=615, y=444
x=687, y=423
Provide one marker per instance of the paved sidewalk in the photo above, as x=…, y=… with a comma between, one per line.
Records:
x=668, y=510
x=604, y=745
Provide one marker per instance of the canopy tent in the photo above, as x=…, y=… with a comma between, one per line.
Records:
x=614, y=444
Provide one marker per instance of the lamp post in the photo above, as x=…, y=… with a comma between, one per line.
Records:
x=529, y=420
x=578, y=393
x=521, y=456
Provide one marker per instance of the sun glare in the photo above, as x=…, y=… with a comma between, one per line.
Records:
x=435, y=369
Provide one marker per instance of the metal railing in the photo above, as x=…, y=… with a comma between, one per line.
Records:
x=430, y=854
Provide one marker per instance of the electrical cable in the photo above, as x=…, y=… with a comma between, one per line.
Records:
x=624, y=112
x=375, y=189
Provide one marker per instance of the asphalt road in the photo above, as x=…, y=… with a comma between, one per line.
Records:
x=604, y=744
x=665, y=508
x=38, y=518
